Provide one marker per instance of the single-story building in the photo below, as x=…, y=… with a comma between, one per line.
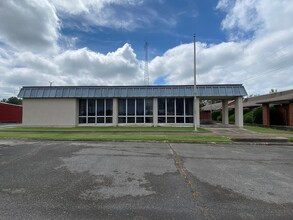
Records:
x=170, y=105
x=282, y=101
x=10, y=113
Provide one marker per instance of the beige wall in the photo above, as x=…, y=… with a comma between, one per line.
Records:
x=50, y=112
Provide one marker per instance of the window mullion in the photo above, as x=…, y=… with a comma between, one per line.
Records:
x=175, y=110
x=126, y=109
x=134, y=110
x=184, y=116
x=105, y=107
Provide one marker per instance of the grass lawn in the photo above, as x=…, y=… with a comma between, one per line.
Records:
x=103, y=129
x=267, y=130
x=90, y=136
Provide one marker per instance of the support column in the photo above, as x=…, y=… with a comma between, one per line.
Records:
x=197, y=110
x=290, y=114
x=115, y=112
x=155, y=112
x=266, y=114
x=239, y=112
x=225, y=112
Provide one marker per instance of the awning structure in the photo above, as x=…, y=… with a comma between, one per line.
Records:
x=222, y=91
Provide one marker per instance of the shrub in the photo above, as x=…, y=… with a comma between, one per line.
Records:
x=248, y=117
x=232, y=118
x=257, y=115
x=215, y=115
x=219, y=118
x=246, y=110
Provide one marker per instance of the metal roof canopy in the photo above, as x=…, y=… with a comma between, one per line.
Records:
x=220, y=91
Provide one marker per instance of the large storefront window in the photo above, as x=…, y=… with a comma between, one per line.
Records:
x=135, y=111
x=175, y=110
x=95, y=111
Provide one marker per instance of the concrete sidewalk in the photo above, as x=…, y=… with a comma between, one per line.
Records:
x=244, y=135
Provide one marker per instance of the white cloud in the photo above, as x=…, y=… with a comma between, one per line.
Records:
x=71, y=67
x=119, y=14
x=262, y=62
x=29, y=25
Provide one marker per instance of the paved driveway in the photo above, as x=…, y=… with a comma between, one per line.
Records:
x=132, y=180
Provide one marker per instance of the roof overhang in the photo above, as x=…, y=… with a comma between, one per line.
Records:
x=221, y=91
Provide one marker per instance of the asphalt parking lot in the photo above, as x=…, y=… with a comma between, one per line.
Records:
x=137, y=180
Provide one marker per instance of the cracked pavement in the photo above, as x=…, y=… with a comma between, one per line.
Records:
x=140, y=180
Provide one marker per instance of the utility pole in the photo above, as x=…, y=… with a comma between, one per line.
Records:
x=51, y=83
x=194, y=93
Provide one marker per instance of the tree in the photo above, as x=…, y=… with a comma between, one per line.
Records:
x=13, y=100
x=273, y=91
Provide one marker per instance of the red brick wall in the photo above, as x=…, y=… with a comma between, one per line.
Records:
x=266, y=114
x=290, y=114
x=10, y=113
x=205, y=116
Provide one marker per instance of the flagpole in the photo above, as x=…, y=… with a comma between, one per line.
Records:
x=194, y=93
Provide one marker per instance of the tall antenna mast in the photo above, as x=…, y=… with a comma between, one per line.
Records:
x=146, y=65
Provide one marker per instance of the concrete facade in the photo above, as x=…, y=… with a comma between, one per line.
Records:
x=155, y=112
x=50, y=112
x=225, y=112
x=239, y=112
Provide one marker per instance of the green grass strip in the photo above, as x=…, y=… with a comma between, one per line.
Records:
x=80, y=137
x=267, y=130
x=104, y=129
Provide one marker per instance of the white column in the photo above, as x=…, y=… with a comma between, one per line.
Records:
x=115, y=112
x=225, y=112
x=239, y=112
x=197, y=115
x=155, y=112
x=76, y=111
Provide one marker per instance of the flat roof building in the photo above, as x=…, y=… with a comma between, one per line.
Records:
x=170, y=105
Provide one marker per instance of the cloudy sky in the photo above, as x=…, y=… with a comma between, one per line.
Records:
x=101, y=42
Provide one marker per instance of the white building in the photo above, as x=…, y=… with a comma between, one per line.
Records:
x=124, y=105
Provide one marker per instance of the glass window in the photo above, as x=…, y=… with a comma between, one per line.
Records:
x=189, y=106
x=170, y=120
x=189, y=119
x=140, y=120
x=91, y=120
x=130, y=120
x=130, y=106
x=91, y=107
x=82, y=107
x=122, y=107
x=180, y=120
x=170, y=106
x=139, y=107
x=109, y=119
x=148, y=119
x=161, y=106
x=179, y=107
x=121, y=119
x=100, y=107
x=100, y=120
x=148, y=106
x=109, y=107
x=161, y=119
x=82, y=120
